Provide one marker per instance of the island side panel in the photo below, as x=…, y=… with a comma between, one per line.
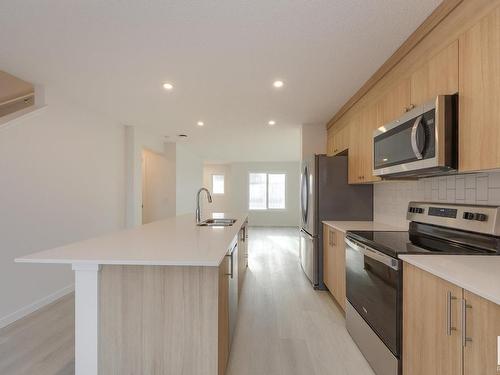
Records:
x=158, y=320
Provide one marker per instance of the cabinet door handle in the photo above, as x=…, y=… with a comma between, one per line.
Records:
x=465, y=306
x=449, y=327
x=232, y=264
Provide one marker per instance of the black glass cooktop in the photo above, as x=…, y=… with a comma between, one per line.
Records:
x=428, y=239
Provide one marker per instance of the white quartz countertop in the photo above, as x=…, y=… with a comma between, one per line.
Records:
x=479, y=274
x=175, y=241
x=345, y=226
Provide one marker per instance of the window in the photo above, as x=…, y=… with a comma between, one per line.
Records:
x=218, y=183
x=258, y=191
x=276, y=191
x=266, y=191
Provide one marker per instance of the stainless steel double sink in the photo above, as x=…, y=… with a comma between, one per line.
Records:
x=217, y=223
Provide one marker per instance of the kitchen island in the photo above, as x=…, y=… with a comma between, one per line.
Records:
x=156, y=298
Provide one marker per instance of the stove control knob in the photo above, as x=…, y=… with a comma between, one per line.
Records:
x=480, y=217
x=468, y=216
x=420, y=210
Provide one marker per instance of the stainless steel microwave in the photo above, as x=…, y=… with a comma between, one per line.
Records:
x=423, y=142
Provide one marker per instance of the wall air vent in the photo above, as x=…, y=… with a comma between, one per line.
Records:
x=15, y=94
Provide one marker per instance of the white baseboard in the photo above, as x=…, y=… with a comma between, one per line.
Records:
x=26, y=310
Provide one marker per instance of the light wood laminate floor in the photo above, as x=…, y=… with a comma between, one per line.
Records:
x=42, y=343
x=284, y=326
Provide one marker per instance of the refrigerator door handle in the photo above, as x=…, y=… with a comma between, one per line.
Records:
x=305, y=195
x=305, y=234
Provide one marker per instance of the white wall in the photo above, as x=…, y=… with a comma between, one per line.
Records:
x=237, y=191
x=391, y=198
x=220, y=202
x=313, y=139
x=189, y=178
x=62, y=178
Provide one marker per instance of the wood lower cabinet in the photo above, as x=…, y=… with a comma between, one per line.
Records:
x=479, y=67
x=447, y=330
x=482, y=328
x=334, y=263
x=223, y=328
x=429, y=348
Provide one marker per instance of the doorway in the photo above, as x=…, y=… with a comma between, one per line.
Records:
x=158, y=187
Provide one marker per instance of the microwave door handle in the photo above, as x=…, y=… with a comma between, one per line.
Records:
x=414, y=141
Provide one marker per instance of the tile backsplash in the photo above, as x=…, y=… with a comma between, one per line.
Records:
x=391, y=198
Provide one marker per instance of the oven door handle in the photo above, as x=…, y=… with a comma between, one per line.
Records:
x=414, y=138
x=354, y=245
x=373, y=254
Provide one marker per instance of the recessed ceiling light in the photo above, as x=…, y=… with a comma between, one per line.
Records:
x=271, y=122
x=278, y=84
x=200, y=123
x=168, y=86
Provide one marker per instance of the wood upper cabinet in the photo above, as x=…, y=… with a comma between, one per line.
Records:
x=334, y=263
x=329, y=141
x=223, y=311
x=361, y=146
x=438, y=76
x=430, y=306
x=394, y=102
x=338, y=139
x=483, y=329
x=355, y=161
x=368, y=124
x=479, y=86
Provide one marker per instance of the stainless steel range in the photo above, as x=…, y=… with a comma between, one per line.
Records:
x=374, y=271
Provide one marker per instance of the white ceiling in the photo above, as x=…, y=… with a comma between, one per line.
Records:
x=222, y=56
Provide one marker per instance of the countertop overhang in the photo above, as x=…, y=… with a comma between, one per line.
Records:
x=176, y=241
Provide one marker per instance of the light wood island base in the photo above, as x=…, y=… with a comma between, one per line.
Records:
x=158, y=320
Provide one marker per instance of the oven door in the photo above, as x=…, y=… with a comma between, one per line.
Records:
x=373, y=283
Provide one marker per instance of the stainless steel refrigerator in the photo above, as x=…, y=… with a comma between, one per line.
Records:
x=326, y=195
